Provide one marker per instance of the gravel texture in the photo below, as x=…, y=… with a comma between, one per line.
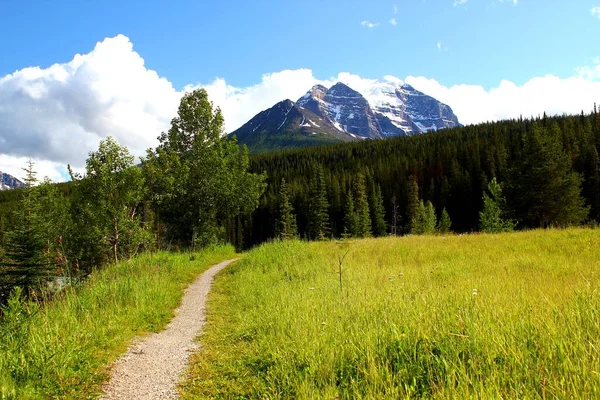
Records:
x=152, y=366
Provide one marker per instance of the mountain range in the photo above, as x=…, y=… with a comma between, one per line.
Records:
x=9, y=182
x=386, y=108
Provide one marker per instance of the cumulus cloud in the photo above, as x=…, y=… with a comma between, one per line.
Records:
x=56, y=115
x=550, y=94
x=393, y=21
x=596, y=11
x=459, y=2
x=60, y=113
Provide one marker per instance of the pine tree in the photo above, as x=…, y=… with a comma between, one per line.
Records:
x=25, y=261
x=413, y=205
x=285, y=226
x=445, y=223
x=494, y=218
x=318, y=217
x=361, y=206
x=429, y=219
x=349, y=217
x=377, y=212
x=549, y=191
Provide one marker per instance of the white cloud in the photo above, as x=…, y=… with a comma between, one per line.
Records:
x=393, y=21
x=439, y=46
x=550, y=94
x=596, y=11
x=395, y=9
x=459, y=2
x=369, y=24
x=60, y=113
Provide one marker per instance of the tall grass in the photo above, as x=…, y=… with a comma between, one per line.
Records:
x=479, y=316
x=63, y=349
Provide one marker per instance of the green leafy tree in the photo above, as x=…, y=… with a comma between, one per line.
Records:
x=413, y=205
x=349, y=217
x=108, y=199
x=444, y=223
x=377, y=212
x=493, y=218
x=361, y=206
x=318, y=217
x=285, y=226
x=197, y=177
x=26, y=263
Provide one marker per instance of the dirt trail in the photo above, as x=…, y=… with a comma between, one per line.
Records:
x=151, y=368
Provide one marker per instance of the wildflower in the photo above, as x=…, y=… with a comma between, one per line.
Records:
x=474, y=292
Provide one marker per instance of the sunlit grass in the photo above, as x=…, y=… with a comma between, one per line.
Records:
x=64, y=349
x=477, y=316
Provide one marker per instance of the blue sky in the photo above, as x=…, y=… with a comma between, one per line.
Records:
x=482, y=41
x=74, y=72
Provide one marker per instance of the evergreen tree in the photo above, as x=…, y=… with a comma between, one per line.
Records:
x=361, y=206
x=377, y=212
x=548, y=190
x=285, y=227
x=350, y=225
x=318, y=217
x=25, y=261
x=494, y=218
x=445, y=223
x=429, y=219
x=413, y=205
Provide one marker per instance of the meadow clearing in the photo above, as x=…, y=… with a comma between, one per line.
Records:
x=64, y=349
x=512, y=315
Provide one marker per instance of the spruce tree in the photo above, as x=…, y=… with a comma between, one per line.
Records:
x=445, y=223
x=429, y=219
x=413, y=205
x=493, y=218
x=548, y=190
x=377, y=212
x=349, y=217
x=318, y=217
x=361, y=205
x=25, y=262
x=285, y=226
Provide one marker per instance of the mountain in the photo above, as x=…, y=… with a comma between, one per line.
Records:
x=385, y=108
x=9, y=182
x=286, y=125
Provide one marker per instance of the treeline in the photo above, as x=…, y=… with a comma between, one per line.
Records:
x=546, y=171
x=185, y=194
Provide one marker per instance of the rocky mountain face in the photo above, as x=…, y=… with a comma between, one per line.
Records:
x=286, y=125
x=9, y=182
x=385, y=108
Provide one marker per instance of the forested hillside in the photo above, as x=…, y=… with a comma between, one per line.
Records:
x=532, y=159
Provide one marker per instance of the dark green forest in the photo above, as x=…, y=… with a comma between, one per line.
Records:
x=198, y=187
x=542, y=164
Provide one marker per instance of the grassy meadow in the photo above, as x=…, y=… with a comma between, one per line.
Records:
x=63, y=349
x=511, y=315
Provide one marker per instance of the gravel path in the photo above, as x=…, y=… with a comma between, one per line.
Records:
x=151, y=367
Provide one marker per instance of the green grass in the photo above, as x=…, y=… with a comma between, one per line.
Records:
x=476, y=316
x=63, y=349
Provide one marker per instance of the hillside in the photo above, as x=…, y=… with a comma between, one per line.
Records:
x=452, y=168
